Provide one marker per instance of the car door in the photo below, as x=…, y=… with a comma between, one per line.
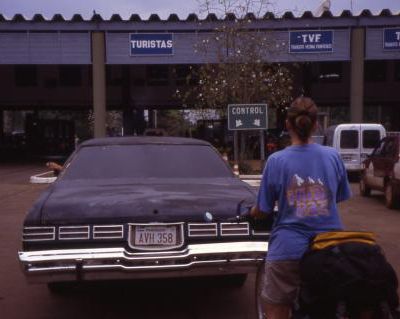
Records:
x=369, y=166
x=349, y=147
x=389, y=156
x=384, y=162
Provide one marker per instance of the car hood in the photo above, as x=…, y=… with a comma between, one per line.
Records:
x=145, y=201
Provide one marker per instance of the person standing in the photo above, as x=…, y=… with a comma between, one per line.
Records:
x=306, y=180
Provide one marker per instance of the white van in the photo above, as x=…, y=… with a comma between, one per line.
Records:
x=354, y=142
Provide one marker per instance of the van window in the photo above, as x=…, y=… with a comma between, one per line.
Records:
x=371, y=138
x=349, y=139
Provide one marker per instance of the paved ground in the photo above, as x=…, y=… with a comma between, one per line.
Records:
x=194, y=299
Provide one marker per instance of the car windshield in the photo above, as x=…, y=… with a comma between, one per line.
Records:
x=146, y=161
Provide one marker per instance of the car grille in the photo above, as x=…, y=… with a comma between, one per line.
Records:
x=261, y=233
x=38, y=233
x=73, y=232
x=202, y=230
x=105, y=232
x=108, y=231
x=235, y=229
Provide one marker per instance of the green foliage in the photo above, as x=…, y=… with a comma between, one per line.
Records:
x=173, y=122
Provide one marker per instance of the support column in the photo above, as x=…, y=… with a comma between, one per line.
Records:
x=357, y=75
x=1, y=123
x=236, y=146
x=127, y=103
x=99, y=83
x=262, y=146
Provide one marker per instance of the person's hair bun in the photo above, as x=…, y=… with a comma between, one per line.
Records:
x=302, y=115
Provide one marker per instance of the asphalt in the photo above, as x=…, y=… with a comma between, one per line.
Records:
x=178, y=298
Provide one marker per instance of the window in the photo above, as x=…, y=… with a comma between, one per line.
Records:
x=375, y=71
x=25, y=75
x=183, y=73
x=147, y=161
x=50, y=83
x=371, y=138
x=386, y=148
x=330, y=72
x=349, y=139
x=157, y=75
x=113, y=75
x=397, y=71
x=70, y=75
x=379, y=148
x=389, y=149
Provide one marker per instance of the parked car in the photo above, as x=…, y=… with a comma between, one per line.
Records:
x=382, y=171
x=354, y=142
x=141, y=207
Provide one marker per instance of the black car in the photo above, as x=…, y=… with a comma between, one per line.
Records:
x=141, y=207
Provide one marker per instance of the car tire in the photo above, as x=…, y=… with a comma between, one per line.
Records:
x=259, y=302
x=391, y=196
x=365, y=191
x=59, y=288
x=236, y=281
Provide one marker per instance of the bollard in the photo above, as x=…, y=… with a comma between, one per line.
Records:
x=236, y=169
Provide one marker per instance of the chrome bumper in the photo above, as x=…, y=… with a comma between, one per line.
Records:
x=117, y=263
x=350, y=167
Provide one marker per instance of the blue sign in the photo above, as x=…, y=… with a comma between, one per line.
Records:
x=310, y=41
x=391, y=39
x=247, y=117
x=151, y=43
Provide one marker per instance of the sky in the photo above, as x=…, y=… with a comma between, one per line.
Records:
x=165, y=7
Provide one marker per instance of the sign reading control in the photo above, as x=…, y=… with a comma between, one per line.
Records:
x=310, y=41
x=247, y=117
x=151, y=43
x=391, y=39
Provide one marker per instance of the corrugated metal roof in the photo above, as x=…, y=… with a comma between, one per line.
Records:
x=193, y=17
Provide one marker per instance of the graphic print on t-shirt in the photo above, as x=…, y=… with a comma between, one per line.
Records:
x=309, y=197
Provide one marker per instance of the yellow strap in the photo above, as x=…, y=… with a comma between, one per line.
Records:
x=328, y=239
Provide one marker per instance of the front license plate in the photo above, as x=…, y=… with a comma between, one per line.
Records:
x=155, y=235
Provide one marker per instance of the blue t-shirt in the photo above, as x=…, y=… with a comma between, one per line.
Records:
x=307, y=181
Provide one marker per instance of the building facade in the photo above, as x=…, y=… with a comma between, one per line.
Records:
x=350, y=65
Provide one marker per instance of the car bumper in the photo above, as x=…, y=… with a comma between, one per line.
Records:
x=353, y=167
x=118, y=263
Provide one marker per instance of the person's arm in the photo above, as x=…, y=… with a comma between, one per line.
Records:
x=55, y=167
x=256, y=213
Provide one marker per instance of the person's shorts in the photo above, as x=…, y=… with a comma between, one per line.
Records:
x=282, y=281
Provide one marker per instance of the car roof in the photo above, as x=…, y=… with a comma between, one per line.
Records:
x=143, y=140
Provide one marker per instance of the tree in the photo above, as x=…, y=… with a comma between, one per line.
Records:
x=242, y=68
x=242, y=71
x=173, y=122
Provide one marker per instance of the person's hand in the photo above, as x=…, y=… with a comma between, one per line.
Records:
x=246, y=217
x=256, y=213
x=55, y=167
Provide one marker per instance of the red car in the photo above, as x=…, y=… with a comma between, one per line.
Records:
x=382, y=171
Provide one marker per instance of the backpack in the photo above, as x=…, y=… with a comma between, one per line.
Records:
x=345, y=268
